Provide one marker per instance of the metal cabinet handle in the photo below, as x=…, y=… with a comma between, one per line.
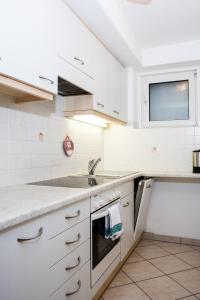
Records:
x=74, y=216
x=126, y=205
x=100, y=104
x=148, y=186
x=76, y=265
x=75, y=241
x=116, y=112
x=76, y=291
x=22, y=240
x=80, y=60
x=45, y=78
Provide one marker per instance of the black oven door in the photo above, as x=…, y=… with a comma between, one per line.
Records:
x=100, y=245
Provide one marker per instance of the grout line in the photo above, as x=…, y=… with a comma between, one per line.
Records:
x=137, y=285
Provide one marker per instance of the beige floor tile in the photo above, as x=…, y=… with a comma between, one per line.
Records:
x=174, y=248
x=120, y=279
x=189, y=279
x=198, y=296
x=151, y=251
x=145, y=243
x=196, y=248
x=189, y=298
x=134, y=257
x=170, y=264
x=163, y=288
x=126, y=292
x=141, y=270
x=191, y=257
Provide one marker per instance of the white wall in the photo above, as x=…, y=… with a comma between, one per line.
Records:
x=24, y=158
x=175, y=210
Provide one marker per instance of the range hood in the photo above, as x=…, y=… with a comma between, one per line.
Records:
x=78, y=104
x=22, y=92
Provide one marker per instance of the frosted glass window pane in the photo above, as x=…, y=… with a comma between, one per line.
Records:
x=169, y=101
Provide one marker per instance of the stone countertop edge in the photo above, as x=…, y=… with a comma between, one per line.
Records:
x=22, y=214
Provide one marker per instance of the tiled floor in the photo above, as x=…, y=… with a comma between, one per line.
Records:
x=158, y=271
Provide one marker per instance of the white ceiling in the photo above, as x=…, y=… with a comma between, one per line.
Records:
x=163, y=22
x=162, y=32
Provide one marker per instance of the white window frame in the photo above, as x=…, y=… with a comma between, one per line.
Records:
x=169, y=77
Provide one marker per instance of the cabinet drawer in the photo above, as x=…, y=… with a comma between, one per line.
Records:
x=68, y=217
x=68, y=266
x=78, y=286
x=64, y=243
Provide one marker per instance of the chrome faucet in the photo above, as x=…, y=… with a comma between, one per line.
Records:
x=92, y=165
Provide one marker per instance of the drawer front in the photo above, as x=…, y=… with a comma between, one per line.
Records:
x=68, y=217
x=64, y=243
x=68, y=266
x=78, y=286
x=126, y=188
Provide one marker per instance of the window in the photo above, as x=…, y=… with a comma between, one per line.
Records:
x=169, y=99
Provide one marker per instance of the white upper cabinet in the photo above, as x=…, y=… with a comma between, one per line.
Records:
x=169, y=99
x=110, y=85
x=27, y=42
x=76, y=44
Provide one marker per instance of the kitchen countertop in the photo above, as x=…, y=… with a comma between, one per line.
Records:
x=22, y=203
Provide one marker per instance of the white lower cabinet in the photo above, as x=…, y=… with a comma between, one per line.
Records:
x=23, y=264
x=127, y=238
x=77, y=288
x=68, y=266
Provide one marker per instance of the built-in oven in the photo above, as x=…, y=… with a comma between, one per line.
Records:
x=103, y=250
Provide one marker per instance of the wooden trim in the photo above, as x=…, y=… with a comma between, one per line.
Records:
x=110, y=119
x=107, y=282
x=22, y=91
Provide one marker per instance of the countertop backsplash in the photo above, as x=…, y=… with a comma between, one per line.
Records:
x=152, y=149
x=24, y=157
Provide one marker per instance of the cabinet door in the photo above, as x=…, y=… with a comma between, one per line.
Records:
x=127, y=220
x=76, y=44
x=27, y=42
x=102, y=95
x=143, y=209
x=118, y=90
x=23, y=266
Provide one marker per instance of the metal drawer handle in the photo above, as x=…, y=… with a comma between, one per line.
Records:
x=45, y=78
x=100, y=104
x=75, y=241
x=80, y=60
x=149, y=186
x=76, y=265
x=21, y=240
x=76, y=291
x=74, y=216
x=126, y=205
x=116, y=112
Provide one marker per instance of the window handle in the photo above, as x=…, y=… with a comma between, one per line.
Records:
x=126, y=205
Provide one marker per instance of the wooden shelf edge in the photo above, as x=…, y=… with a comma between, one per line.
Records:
x=22, y=91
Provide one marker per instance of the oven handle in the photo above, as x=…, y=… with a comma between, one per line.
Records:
x=99, y=215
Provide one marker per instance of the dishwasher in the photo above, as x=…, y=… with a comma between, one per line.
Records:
x=142, y=195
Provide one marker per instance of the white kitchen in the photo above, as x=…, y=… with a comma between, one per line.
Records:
x=100, y=150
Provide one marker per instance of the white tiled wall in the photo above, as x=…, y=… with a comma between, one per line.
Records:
x=157, y=149
x=24, y=158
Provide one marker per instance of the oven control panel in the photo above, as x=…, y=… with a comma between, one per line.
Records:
x=102, y=199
